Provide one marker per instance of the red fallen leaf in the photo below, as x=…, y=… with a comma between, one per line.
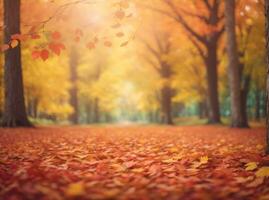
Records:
x=129, y=164
x=44, y=54
x=257, y=182
x=154, y=169
x=56, y=35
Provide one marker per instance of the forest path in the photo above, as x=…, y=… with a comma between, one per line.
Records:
x=133, y=162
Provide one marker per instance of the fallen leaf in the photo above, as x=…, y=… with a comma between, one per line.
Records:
x=204, y=160
x=263, y=172
x=251, y=166
x=257, y=182
x=75, y=189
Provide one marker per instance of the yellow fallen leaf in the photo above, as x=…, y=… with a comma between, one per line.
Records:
x=259, y=146
x=111, y=193
x=118, y=167
x=173, y=150
x=251, y=166
x=75, y=189
x=263, y=172
x=168, y=161
x=264, y=197
x=177, y=157
x=138, y=170
x=204, y=160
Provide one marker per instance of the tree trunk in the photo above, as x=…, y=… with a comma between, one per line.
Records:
x=32, y=107
x=166, y=105
x=244, y=95
x=88, y=112
x=166, y=94
x=202, y=109
x=267, y=85
x=258, y=105
x=212, y=82
x=233, y=65
x=96, y=111
x=74, y=89
x=14, y=109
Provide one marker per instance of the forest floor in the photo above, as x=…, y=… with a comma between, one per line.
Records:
x=143, y=162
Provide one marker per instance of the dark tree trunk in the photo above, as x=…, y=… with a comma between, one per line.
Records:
x=166, y=105
x=263, y=100
x=166, y=94
x=244, y=95
x=258, y=105
x=267, y=85
x=108, y=118
x=32, y=107
x=14, y=109
x=202, y=110
x=96, y=111
x=212, y=82
x=233, y=65
x=150, y=116
x=74, y=88
x=244, y=90
x=157, y=116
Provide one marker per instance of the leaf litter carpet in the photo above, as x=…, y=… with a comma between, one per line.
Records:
x=143, y=163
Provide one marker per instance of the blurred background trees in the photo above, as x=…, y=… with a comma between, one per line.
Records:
x=163, y=61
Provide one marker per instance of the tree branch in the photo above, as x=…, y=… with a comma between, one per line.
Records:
x=183, y=22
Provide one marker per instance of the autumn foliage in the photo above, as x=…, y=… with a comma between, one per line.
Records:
x=133, y=163
x=129, y=63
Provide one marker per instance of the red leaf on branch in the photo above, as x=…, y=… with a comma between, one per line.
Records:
x=56, y=47
x=35, y=54
x=19, y=37
x=44, y=54
x=56, y=35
